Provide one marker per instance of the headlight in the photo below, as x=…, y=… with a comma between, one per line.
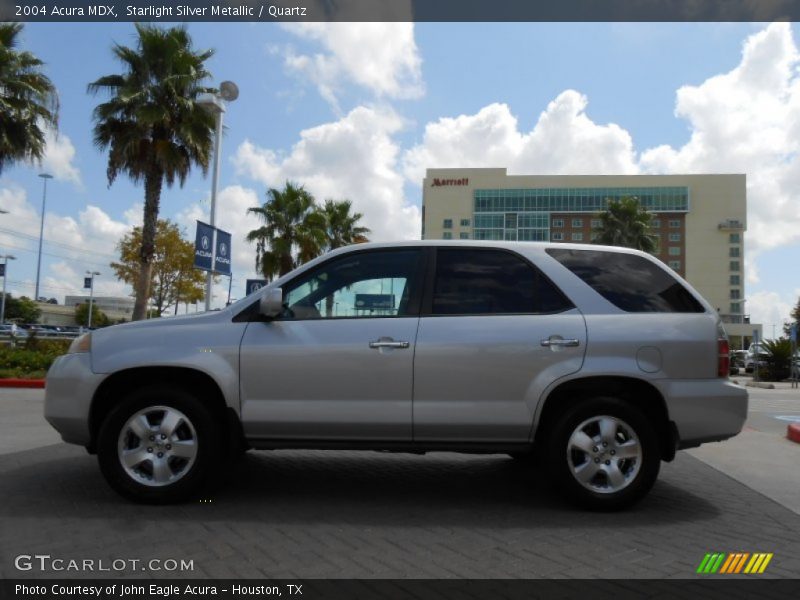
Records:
x=82, y=343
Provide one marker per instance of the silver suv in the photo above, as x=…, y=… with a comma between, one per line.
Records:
x=599, y=362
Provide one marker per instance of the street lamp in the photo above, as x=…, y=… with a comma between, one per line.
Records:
x=6, y=258
x=91, y=295
x=45, y=177
x=216, y=103
x=228, y=92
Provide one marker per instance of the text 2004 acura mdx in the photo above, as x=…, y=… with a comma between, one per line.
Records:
x=599, y=361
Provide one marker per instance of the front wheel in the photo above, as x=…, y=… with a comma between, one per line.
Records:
x=603, y=453
x=159, y=445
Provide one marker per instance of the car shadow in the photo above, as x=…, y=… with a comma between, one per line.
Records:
x=365, y=488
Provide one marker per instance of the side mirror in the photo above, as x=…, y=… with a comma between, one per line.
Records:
x=271, y=303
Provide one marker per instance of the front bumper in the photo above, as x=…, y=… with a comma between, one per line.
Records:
x=71, y=385
x=706, y=410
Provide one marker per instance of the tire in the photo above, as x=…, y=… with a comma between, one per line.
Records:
x=172, y=442
x=599, y=477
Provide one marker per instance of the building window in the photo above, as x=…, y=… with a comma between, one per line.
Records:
x=674, y=223
x=674, y=251
x=675, y=264
x=596, y=223
x=735, y=238
x=735, y=295
x=577, y=237
x=734, y=265
x=674, y=237
x=655, y=223
x=594, y=236
x=447, y=224
x=465, y=222
x=734, y=252
x=463, y=235
x=577, y=222
x=447, y=235
x=735, y=280
x=557, y=236
x=558, y=222
x=736, y=308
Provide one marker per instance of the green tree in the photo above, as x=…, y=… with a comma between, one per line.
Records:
x=341, y=226
x=173, y=276
x=625, y=223
x=153, y=127
x=99, y=318
x=293, y=230
x=22, y=309
x=794, y=318
x=28, y=101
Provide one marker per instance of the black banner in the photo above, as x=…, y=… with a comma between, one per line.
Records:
x=271, y=11
x=348, y=589
x=222, y=256
x=253, y=285
x=203, y=246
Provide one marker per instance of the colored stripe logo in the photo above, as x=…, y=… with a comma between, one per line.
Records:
x=734, y=563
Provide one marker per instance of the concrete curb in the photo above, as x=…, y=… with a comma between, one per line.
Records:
x=22, y=383
x=793, y=432
x=761, y=384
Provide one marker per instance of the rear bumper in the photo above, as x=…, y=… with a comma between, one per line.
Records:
x=71, y=385
x=706, y=410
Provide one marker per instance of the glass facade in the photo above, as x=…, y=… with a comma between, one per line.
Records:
x=524, y=214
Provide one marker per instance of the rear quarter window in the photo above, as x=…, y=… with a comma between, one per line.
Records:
x=630, y=282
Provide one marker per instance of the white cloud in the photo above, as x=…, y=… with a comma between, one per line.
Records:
x=564, y=140
x=380, y=57
x=769, y=308
x=354, y=158
x=86, y=242
x=59, y=156
x=747, y=121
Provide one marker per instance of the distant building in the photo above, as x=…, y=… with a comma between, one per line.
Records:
x=115, y=308
x=698, y=221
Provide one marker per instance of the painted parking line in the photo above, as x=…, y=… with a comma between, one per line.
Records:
x=790, y=418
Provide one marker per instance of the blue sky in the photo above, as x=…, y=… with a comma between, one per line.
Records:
x=359, y=110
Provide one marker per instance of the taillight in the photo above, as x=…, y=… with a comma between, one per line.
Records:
x=723, y=358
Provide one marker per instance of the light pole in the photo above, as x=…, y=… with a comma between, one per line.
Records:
x=45, y=177
x=6, y=258
x=91, y=295
x=228, y=92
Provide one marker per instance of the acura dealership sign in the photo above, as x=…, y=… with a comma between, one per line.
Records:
x=205, y=253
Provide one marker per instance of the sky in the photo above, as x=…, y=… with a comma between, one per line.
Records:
x=359, y=111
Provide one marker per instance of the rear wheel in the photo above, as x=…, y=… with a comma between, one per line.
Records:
x=160, y=445
x=603, y=453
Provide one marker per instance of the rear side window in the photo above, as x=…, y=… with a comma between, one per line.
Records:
x=491, y=282
x=628, y=281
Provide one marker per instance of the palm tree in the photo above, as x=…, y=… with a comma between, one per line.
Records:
x=625, y=223
x=293, y=231
x=342, y=227
x=154, y=130
x=28, y=101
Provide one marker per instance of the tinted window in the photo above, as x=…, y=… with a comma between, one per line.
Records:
x=475, y=281
x=362, y=284
x=630, y=282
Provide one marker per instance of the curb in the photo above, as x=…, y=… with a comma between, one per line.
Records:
x=22, y=383
x=760, y=384
x=793, y=432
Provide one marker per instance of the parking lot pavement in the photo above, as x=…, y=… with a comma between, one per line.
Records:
x=292, y=514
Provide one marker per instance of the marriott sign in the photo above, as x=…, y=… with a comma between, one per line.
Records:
x=445, y=182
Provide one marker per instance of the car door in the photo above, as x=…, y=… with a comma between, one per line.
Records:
x=338, y=363
x=494, y=333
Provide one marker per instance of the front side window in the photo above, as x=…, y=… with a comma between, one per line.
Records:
x=361, y=284
x=491, y=282
x=629, y=281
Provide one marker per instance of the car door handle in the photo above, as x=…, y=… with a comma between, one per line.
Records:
x=388, y=344
x=557, y=341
